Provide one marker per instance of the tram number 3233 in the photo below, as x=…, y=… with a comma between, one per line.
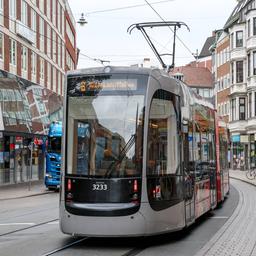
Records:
x=99, y=186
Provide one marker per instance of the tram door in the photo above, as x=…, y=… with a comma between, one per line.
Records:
x=189, y=171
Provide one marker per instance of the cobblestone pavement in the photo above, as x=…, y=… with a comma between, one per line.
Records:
x=237, y=236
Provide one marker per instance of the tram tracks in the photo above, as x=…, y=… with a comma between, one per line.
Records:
x=65, y=246
x=132, y=252
x=29, y=227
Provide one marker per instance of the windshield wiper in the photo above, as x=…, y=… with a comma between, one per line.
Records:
x=122, y=155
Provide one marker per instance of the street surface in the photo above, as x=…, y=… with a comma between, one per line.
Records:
x=29, y=226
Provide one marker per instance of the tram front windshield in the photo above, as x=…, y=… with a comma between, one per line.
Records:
x=104, y=126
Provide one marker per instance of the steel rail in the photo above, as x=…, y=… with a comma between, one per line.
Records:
x=26, y=228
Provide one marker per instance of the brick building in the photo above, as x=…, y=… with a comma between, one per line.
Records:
x=198, y=74
x=37, y=47
x=221, y=72
x=236, y=61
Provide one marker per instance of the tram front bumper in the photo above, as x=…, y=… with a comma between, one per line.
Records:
x=93, y=226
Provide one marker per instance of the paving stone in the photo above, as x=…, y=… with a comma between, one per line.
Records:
x=237, y=236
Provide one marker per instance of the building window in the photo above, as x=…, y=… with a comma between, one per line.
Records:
x=63, y=22
x=12, y=9
x=249, y=28
x=33, y=20
x=49, y=43
x=24, y=12
x=1, y=6
x=48, y=10
x=42, y=68
x=24, y=58
x=1, y=46
x=12, y=52
x=41, y=5
x=249, y=64
x=232, y=72
x=41, y=23
x=54, y=79
x=49, y=73
x=59, y=83
x=59, y=15
x=239, y=72
x=254, y=63
x=59, y=50
x=250, y=105
x=232, y=40
x=54, y=46
x=33, y=64
x=70, y=34
x=54, y=12
x=239, y=39
x=241, y=108
x=233, y=109
x=69, y=61
x=254, y=26
x=255, y=104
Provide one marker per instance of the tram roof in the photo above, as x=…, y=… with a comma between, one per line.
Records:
x=177, y=87
x=114, y=69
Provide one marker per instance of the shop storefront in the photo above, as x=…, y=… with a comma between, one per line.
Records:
x=239, y=150
x=252, y=150
x=26, y=110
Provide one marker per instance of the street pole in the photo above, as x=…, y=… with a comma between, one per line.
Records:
x=30, y=171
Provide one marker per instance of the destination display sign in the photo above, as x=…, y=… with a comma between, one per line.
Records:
x=111, y=84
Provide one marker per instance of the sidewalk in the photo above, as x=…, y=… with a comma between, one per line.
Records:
x=22, y=190
x=240, y=175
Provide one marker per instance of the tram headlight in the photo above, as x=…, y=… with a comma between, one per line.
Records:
x=69, y=196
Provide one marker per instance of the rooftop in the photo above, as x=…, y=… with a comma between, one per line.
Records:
x=205, y=52
x=195, y=76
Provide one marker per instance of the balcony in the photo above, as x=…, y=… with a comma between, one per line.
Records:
x=238, y=88
x=25, y=32
x=238, y=53
x=251, y=43
x=237, y=126
x=251, y=82
x=251, y=125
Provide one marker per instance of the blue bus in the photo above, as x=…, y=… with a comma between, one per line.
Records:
x=53, y=156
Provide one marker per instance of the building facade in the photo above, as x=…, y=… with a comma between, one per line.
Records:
x=198, y=78
x=221, y=71
x=236, y=81
x=37, y=47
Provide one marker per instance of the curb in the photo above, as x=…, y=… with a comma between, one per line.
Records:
x=245, y=181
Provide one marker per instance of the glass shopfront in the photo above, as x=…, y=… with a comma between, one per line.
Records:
x=26, y=110
x=252, y=151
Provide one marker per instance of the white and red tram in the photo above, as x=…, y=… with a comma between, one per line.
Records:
x=142, y=154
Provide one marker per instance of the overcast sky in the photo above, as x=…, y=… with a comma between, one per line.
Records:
x=105, y=36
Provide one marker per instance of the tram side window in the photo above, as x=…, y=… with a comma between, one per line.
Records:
x=162, y=138
x=83, y=140
x=164, y=182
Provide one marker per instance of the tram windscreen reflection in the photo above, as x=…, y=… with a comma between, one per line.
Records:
x=104, y=137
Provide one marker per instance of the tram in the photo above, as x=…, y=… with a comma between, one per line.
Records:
x=142, y=154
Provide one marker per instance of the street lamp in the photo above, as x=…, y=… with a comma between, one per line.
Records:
x=82, y=20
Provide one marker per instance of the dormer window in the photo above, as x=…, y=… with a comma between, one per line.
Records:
x=179, y=76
